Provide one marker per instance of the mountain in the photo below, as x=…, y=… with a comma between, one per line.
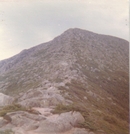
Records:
x=76, y=71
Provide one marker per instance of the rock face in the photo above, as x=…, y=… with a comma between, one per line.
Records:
x=80, y=71
x=5, y=99
x=60, y=123
x=24, y=122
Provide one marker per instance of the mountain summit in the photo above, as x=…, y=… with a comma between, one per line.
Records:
x=79, y=71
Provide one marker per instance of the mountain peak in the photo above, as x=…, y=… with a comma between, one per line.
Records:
x=76, y=30
x=73, y=29
x=75, y=33
x=77, y=71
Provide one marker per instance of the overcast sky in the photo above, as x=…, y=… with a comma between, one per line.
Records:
x=26, y=23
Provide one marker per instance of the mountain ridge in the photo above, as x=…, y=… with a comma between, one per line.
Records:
x=68, y=30
x=76, y=71
x=67, y=33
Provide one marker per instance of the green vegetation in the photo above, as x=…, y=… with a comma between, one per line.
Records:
x=64, y=108
x=7, y=132
x=11, y=108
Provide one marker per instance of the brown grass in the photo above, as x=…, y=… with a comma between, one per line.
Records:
x=11, y=108
x=99, y=115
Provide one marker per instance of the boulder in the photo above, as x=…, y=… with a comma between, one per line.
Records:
x=5, y=100
x=47, y=98
x=80, y=131
x=60, y=123
x=26, y=123
x=2, y=122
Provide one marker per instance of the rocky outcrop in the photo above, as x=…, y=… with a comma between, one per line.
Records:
x=42, y=98
x=5, y=99
x=60, y=123
x=26, y=123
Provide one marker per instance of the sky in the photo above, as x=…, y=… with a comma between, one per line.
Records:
x=27, y=23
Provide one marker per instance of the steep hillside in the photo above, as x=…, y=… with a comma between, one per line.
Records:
x=76, y=71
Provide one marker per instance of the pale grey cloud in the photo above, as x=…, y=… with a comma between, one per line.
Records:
x=26, y=23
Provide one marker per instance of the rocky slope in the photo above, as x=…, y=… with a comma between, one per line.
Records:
x=77, y=71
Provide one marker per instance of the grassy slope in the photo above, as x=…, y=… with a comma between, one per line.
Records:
x=99, y=114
